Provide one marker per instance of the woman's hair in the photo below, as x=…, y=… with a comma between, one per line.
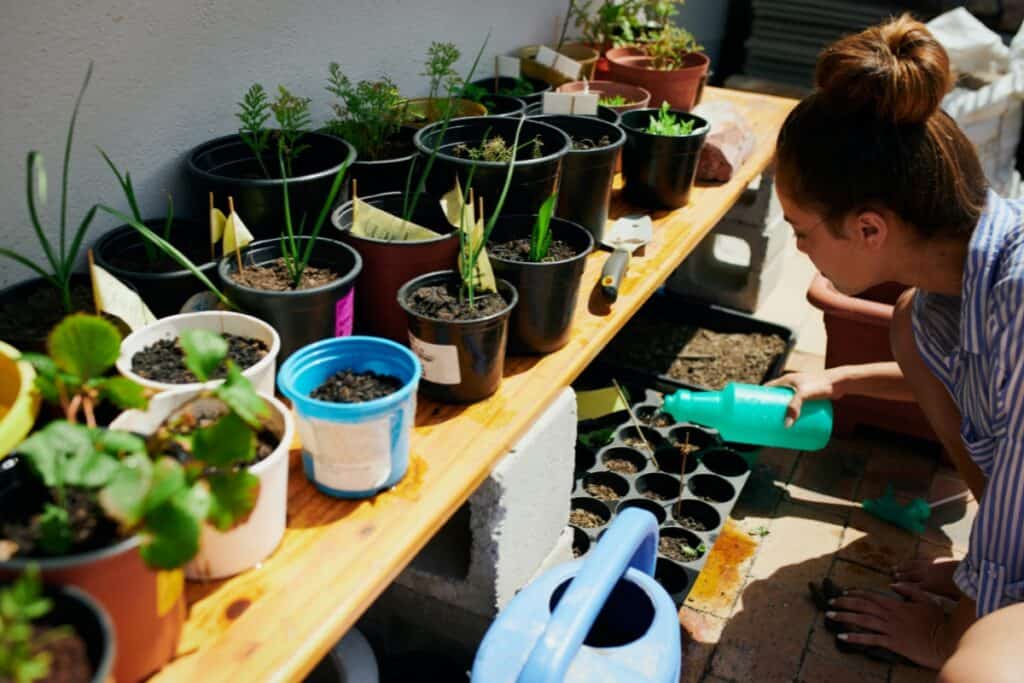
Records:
x=872, y=135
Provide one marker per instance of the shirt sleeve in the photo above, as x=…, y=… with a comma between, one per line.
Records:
x=993, y=570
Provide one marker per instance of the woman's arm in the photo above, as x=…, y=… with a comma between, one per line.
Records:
x=876, y=380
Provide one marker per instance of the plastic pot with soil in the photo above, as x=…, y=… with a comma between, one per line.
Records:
x=527, y=89
x=161, y=282
x=388, y=171
x=154, y=358
x=548, y=289
x=388, y=264
x=619, y=97
x=322, y=305
x=460, y=344
x=502, y=105
x=588, y=170
x=226, y=553
x=681, y=87
x=659, y=169
x=31, y=308
x=586, y=56
x=485, y=142
x=425, y=111
x=227, y=167
x=355, y=401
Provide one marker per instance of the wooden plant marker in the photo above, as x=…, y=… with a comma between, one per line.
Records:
x=636, y=423
x=683, y=452
x=238, y=248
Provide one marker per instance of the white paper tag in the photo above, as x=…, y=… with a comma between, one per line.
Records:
x=507, y=66
x=585, y=104
x=567, y=67
x=546, y=56
x=348, y=456
x=440, y=361
x=581, y=104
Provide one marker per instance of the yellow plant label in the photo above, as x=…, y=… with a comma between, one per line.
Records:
x=217, y=221
x=369, y=221
x=236, y=235
x=169, y=587
x=116, y=298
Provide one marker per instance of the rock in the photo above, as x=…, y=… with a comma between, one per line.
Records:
x=728, y=144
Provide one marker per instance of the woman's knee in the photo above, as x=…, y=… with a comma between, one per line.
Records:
x=901, y=330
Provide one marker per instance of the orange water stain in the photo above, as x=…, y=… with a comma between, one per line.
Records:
x=720, y=580
x=410, y=485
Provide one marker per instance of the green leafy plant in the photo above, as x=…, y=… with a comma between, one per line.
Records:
x=669, y=124
x=597, y=438
x=540, y=236
x=369, y=114
x=494, y=148
x=189, y=471
x=125, y=181
x=60, y=257
x=440, y=69
x=671, y=47
x=291, y=113
x=610, y=23
x=479, y=93
x=690, y=553
x=21, y=604
x=614, y=101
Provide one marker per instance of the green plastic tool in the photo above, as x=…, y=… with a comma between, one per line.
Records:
x=911, y=516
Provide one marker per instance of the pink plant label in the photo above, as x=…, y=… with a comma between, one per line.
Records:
x=344, y=311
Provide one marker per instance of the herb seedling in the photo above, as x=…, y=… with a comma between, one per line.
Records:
x=597, y=438
x=254, y=111
x=440, y=68
x=668, y=124
x=190, y=471
x=670, y=48
x=60, y=257
x=21, y=604
x=690, y=553
x=125, y=181
x=293, y=120
x=369, y=113
x=760, y=531
x=496, y=149
x=613, y=101
x=612, y=22
x=540, y=236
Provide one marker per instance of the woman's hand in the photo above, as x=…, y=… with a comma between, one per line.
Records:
x=806, y=386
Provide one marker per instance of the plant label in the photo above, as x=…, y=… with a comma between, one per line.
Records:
x=116, y=298
x=440, y=361
x=507, y=66
x=585, y=104
x=348, y=456
x=567, y=67
x=558, y=103
x=546, y=57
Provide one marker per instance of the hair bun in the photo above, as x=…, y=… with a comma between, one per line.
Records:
x=897, y=70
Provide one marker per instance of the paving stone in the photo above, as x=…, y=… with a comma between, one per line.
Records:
x=701, y=633
x=902, y=673
x=874, y=543
x=828, y=480
x=802, y=542
x=817, y=668
x=725, y=572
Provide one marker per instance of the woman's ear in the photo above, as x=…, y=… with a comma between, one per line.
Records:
x=871, y=229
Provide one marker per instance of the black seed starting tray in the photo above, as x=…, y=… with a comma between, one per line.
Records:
x=624, y=473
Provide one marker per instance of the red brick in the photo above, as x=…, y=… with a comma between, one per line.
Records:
x=700, y=637
x=802, y=540
x=875, y=543
x=818, y=668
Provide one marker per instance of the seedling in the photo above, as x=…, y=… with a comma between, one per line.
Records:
x=21, y=604
x=496, y=149
x=668, y=124
x=478, y=94
x=597, y=438
x=611, y=23
x=190, y=471
x=670, y=49
x=540, y=236
x=125, y=181
x=369, y=114
x=614, y=101
x=60, y=257
x=293, y=120
x=759, y=532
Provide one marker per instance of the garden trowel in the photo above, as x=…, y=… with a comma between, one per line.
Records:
x=626, y=235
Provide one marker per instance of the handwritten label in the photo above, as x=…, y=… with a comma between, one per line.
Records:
x=440, y=361
x=344, y=312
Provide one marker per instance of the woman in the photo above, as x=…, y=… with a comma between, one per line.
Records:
x=880, y=185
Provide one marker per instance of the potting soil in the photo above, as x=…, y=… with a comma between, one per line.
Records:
x=348, y=386
x=34, y=314
x=164, y=359
x=519, y=250
x=439, y=302
x=274, y=277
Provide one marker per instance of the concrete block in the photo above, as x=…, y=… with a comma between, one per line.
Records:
x=758, y=205
x=499, y=539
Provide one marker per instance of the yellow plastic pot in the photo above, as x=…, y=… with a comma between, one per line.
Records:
x=18, y=402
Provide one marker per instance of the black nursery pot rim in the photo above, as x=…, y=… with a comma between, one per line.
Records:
x=529, y=220
x=347, y=206
x=228, y=265
x=701, y=125
x=107, y=239
x=486, y=122
x=444, y=276
x=381, y=162
x=602, y=149
x=235, y=138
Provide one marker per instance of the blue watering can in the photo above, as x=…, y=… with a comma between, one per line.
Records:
x=603, y=619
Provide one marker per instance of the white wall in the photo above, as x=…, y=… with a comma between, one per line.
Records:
x=169, y=72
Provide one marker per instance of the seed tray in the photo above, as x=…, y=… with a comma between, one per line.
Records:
x=713, y=471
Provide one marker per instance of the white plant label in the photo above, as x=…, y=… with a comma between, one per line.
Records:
x=440, y=361
x=567, y=67
x=348, y=456
x=507, y=66
x=546, y=56
x=585, y=103
x=582, y=104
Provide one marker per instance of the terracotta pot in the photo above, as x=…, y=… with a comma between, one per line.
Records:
x=586, y=56
x=146, y=606
x=637, y=97
x=681, y=88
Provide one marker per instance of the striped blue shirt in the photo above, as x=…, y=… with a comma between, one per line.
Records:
x=974, y=343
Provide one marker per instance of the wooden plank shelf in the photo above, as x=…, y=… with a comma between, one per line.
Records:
x=275, y=622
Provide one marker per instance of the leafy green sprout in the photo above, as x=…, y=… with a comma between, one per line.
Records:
x=440, y=68
x=125, y=181
x=21, y=604
x=290, y=112
x=60, y=257
x=369, y=113
x=135, y=481
x=540, y=236
x=668, y=124
x=670, y=49
x=760, y=531
x=614, y=101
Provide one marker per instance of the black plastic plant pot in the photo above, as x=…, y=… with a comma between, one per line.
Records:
x=692, y=435
x=708, y=486
x=618, y=485
x=647, y=436
x=623, y=454
x=300, y=316
x=670, y=459
x=548, y=291
x=227, y=167
x=725, y=462
x=533, y=179
x=75, y=609
x=644, y=504
x=672, y=577
x=503, y=105
x=31, y=308
x=585, y=459
x=587, y=174
x=606, y=114
x=463, y=360
x=504, y=84
x=659, y=170
x=696, y=515
x=374, y=176
x=658, y=486
x=164, y=285
x=389, y=264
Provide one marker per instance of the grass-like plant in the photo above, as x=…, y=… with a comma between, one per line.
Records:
x=125, y=181
x=60, y=257
x=369, y=113
x=669, y=124
x=540, y=236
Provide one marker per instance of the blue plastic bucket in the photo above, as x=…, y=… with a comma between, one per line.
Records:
x=352, y=450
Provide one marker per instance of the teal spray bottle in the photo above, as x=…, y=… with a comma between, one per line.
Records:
x=753, y=414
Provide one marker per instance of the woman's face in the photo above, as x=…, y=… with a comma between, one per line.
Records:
x=852, y=261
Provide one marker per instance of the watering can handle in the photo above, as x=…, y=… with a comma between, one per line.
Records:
x=630, y=542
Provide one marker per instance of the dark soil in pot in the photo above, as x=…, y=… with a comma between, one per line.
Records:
x=77, y=636
x=349, y=386
x=502, y=105
x=519, y=251
x=534, y=179
x=91, y=529
x=527, y=89
x=653, y=416
x=388, y=172
x=164, y=359
x=696, y=515
x=30, y=309
x=162, y=283
x=696, y=355
x=227, y=167
x=680, y=548
x=444, y=303
x=659, y=170
x=274, y=277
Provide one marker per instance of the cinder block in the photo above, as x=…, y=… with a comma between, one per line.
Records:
x=758, y=205
x=499, y=539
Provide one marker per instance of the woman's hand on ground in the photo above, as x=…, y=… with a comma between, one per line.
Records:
x=934, y=576
x=806, y=386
